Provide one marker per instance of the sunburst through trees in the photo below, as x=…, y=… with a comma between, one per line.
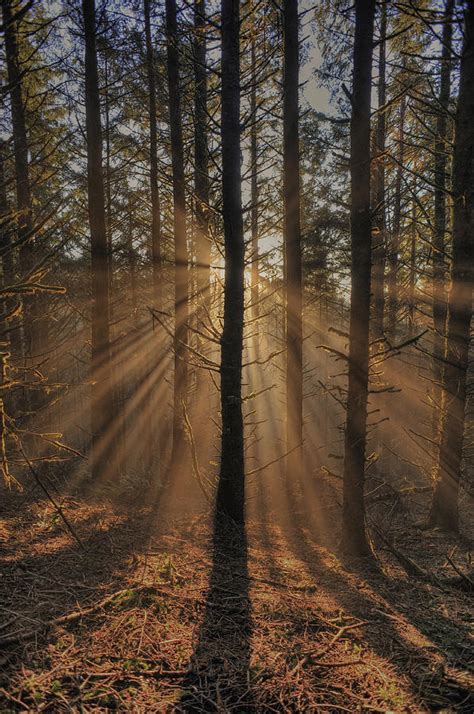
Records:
x=237, y=265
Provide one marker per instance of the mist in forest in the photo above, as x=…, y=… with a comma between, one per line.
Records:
x=236, y=415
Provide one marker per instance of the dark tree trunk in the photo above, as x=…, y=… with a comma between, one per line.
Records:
x=153, y=442
x=108, y=187
x=118, y=432
x=102, y=397
x=292, y=240
x=397, y=225
x=444, y=509
x=231, y=489
x=413, y=271
x=379, y=238
x=354, y=539
x=8, y=266
x=254, y=173
x=201, y=172
x=154, y=193
x=179, y=229
x=440, y=213
x=33, y=343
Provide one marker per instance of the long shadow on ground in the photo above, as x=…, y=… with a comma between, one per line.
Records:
x=219, y=671
x=382, y=602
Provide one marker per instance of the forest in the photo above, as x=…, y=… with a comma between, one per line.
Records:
x=237, y=373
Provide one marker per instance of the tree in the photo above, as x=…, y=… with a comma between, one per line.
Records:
x=154, y=193
x=101, y=398
x=379, y=248
x=12, y=326
x=33, y=343
x=231, y=487
x=292, y=239
x=179, y=228
x=395, y=241
x=201, y=168
x=440, y=213
x=444, y=508
x=254, y=168
x=354, y=539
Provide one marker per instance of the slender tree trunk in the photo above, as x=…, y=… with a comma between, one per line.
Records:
x=379, y=249
x=444, y=509
x=397, y=223
x=154, y=192
x=201, y=175
x=254, y=172
x=292, y=240
x=33, y=343
x=153, y=441
x=102, y=397
x=231, y=488
x=179, y=229
x=115, y=362
x=108, y=187
x=440, y=212
x=412, y=278
x=132, y=260
x=354, y=539
x=8, y=266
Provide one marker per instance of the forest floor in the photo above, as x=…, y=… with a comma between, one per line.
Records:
x=153, y=616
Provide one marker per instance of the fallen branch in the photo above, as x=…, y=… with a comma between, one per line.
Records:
x=463, y=577
x=47, y=493
x=409, y=565
x=78, y=614
x=311, y=656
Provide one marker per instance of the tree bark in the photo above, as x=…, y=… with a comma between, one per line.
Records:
x=379, y=238
x=354, y=539
x=440, y=213
x=8, y=265
x=201, y=174
x=254, y=173
x=413, y=271
x=154, y=192
x=179, y=229
x=292, y=241
x=102, y=397
x=32, y=342
x=444, y=509
x=231, y=488
x=397, y=224
x=153, y=441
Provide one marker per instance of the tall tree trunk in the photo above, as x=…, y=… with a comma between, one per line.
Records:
x=201, y=173
x=179, y=229
x=154, y=192
x=231, y=489
x=33, y=343
x=115, y=362
x=153, y=441
x=440, y=212
x=444, y=509
x=8, y=265
x=354, y=539
x=292, y=240
x=397, y=224
x=108, y=186
x=132, y=260
x=102, y=397
x=412, y=278
x=379, y=249
x=254, y=171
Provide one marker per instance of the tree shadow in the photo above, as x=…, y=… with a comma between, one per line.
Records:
x=392, y=606
x=218, y=679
